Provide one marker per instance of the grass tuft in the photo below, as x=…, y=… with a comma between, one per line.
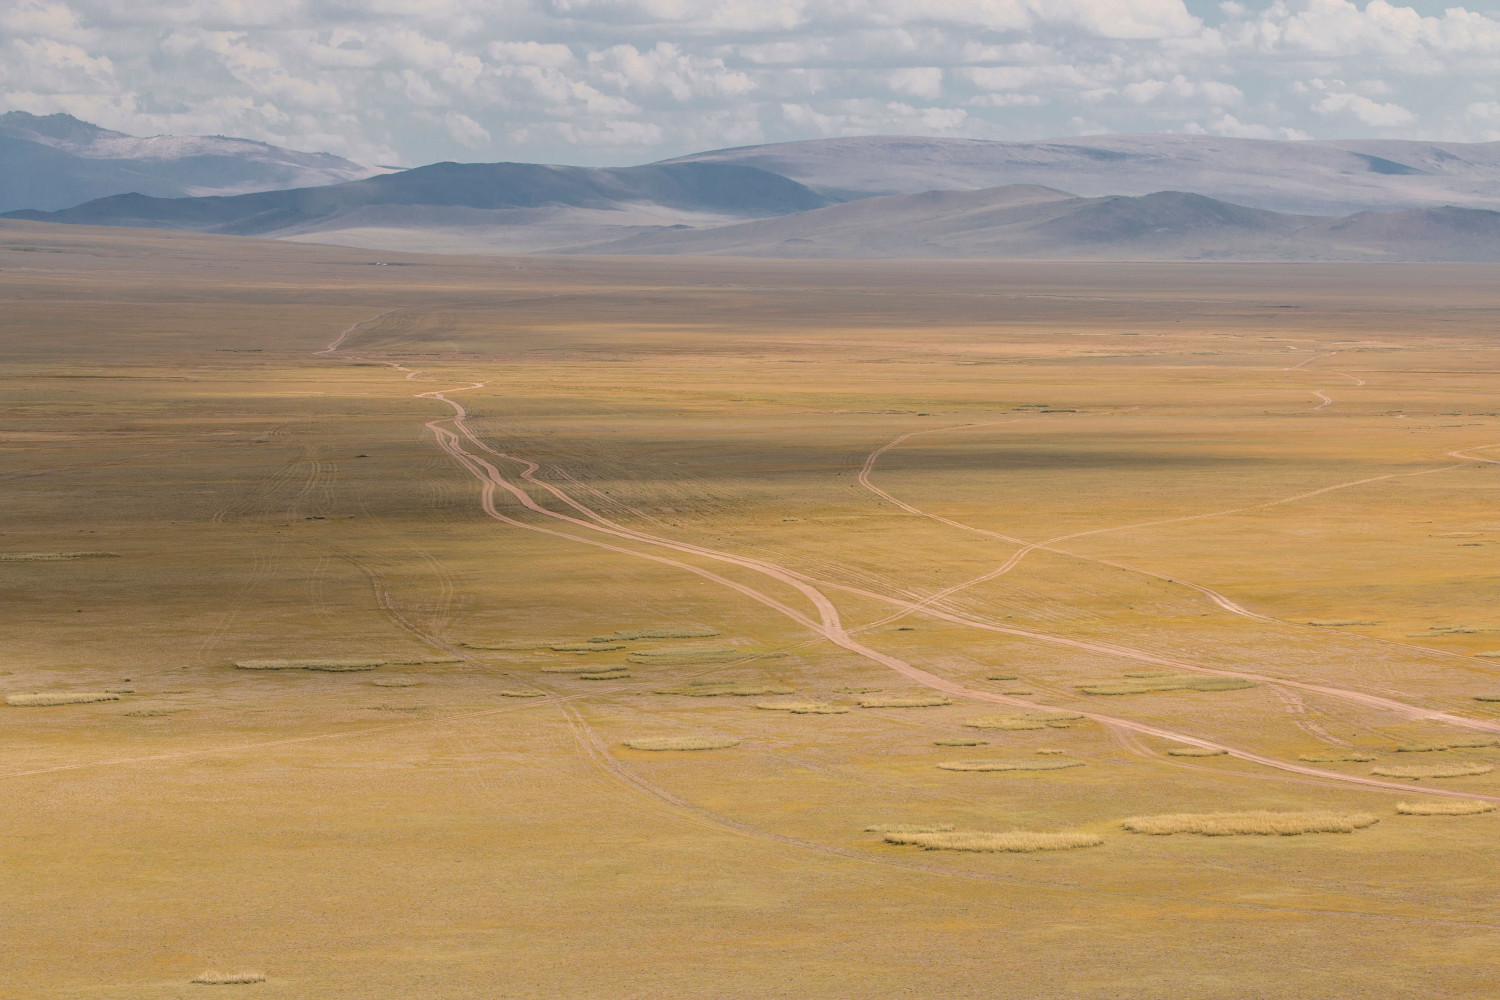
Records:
x=728, y=689
x=1487, y=697
x=1017, y=841
x=1417, y=772
x=585, y=647
x=905, y=701
x=681, y=743
x=332, y=665
x=1195, y=752
x=1008, y=765
x=1002, y=677
x=152, y=713
x=1025, y=720
x=1258, y=823
x=1445, y=807
x=803, y=707
x=215, y=978
x=960, y=743
x=689, y=632
x=1458, y=743
x=54, y=556
x=1166, y=682
x=395, y=682
x=1336, y=756
x=612, y=675
x=60, y=698
x=911, y=828
x=592, y=668
x=689, y=656
x=521, y=694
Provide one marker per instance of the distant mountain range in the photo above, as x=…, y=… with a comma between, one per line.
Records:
x=1136, y=197
x=1319, y=178
x=55, y=161
x=1027, y=221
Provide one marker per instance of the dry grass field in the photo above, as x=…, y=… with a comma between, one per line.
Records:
x=1247, y=511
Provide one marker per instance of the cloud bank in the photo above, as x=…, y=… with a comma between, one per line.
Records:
x=619, y=81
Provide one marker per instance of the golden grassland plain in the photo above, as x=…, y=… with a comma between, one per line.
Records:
x=751, y=482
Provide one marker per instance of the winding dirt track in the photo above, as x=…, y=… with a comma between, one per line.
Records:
x=828, y=624
x=1229, y=604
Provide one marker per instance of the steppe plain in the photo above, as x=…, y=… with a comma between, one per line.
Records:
x=871, y=480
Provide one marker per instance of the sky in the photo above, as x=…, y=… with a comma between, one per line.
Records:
x=613, y=82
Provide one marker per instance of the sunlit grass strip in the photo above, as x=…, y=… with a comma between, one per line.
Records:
x=1196, y=752
x=592, y=668
x=521, y=694
x=585, y=647
x=1459, y=743
x=1262, y=823
x=688, y=632
x=682, y=743
x=803, y=707
x=1337, y=756
x=54, y=556
x=1445, y=807
x=1417, y=772
x=215, y=978
x=911, y=828
x=1008, y=765
x=60, y=698
x=905, y=701
x=1025, y=720
x=1153, y=684
x=727, y=689
x=689, y=656
x=1017, y=841
x=612, y=675
x=959, y=743
x=334, y=665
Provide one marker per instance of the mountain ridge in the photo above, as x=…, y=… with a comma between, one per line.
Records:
x=50, y=162
x=1326, y=177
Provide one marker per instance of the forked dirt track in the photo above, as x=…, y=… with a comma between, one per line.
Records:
x=1049, y=545
x=829, y=625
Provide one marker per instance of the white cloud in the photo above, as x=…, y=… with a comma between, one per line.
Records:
x=620, y=80
x=918, y=81
x=466, y=130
